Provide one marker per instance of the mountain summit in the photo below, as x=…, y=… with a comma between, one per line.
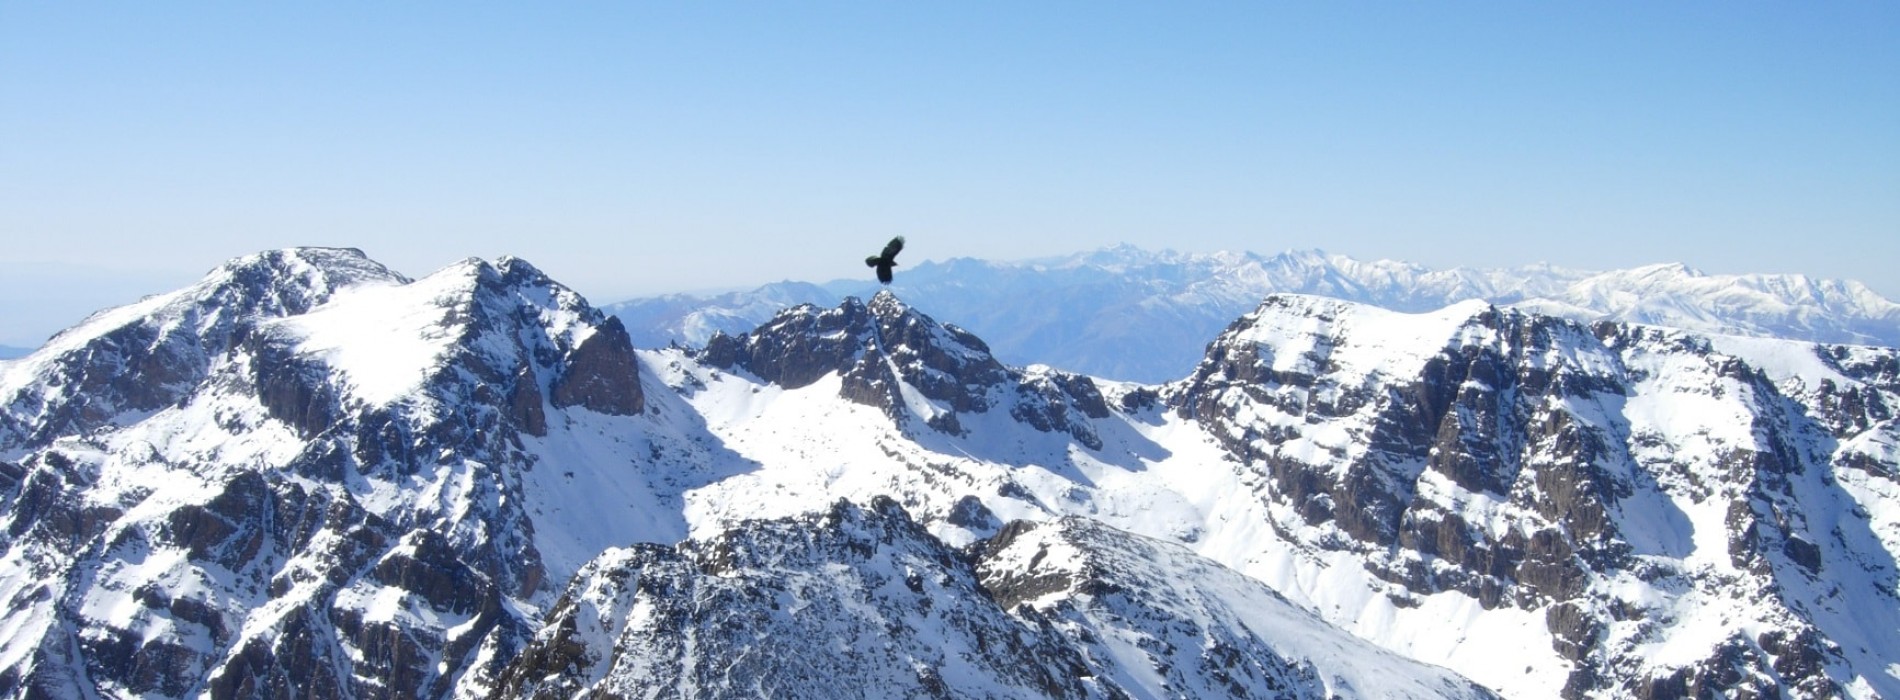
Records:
x=309, y=472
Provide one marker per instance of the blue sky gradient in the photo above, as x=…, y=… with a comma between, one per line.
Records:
x=635, y=148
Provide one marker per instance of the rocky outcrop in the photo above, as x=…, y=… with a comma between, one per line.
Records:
x=853, y=602
x=860, y=601
x=1528, y=461
x=881, y=349
x=602, y=374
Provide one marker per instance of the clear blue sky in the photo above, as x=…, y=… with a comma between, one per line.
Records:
x=632, y=148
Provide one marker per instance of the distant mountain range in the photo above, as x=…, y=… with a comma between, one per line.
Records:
x=1137, y=315
x=308, y=475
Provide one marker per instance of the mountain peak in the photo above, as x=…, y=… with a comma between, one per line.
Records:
x=153, y=353
x=320, y=257
x=306, y=277
x=485, y=318
x=520, y=269
x=1665, y=271
x=1310, y=256
x=886, y=305
x=898, y=359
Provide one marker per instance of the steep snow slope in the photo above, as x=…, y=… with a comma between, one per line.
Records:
x=1160, y=621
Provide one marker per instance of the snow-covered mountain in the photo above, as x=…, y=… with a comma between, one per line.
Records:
x=1144, y=316
x=310, y=473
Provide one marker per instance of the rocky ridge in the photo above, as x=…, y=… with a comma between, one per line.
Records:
x=1608, y=476
x=303, y=473
x=895, y=358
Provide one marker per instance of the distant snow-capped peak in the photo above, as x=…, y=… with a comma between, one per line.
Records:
x=1132, y=314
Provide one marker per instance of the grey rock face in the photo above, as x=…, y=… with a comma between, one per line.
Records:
x=1576, y=441
x=1486, y=413
x=874, y=348
x=602, y=374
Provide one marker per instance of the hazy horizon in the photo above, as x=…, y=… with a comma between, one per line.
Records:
x=635, y=149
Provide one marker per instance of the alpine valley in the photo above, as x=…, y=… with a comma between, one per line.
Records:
x=310, y=476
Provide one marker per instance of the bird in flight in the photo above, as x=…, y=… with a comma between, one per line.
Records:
x=886, y=260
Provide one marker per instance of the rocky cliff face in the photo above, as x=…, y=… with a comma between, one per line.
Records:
x=1606, y=476
x=894, y=358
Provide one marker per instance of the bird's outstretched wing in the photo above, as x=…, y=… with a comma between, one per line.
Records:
x=886, y=260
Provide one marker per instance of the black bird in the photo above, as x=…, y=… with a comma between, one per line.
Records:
x=886, y=260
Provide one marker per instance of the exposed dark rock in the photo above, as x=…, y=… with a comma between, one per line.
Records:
x=291, y=388
x=223, y=530
x=798, y=347
x=1574, y=630
x=1010, y=588
x=854, y=632
x=427, y=567
x=1806, y=554
x=525, y=409
x=1478, y=413
x=1048, y=403
x=602, y=375
x=877, y=348
x=303, y=661
x=970, y=513
x=1737, y=669
x=51, y=506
